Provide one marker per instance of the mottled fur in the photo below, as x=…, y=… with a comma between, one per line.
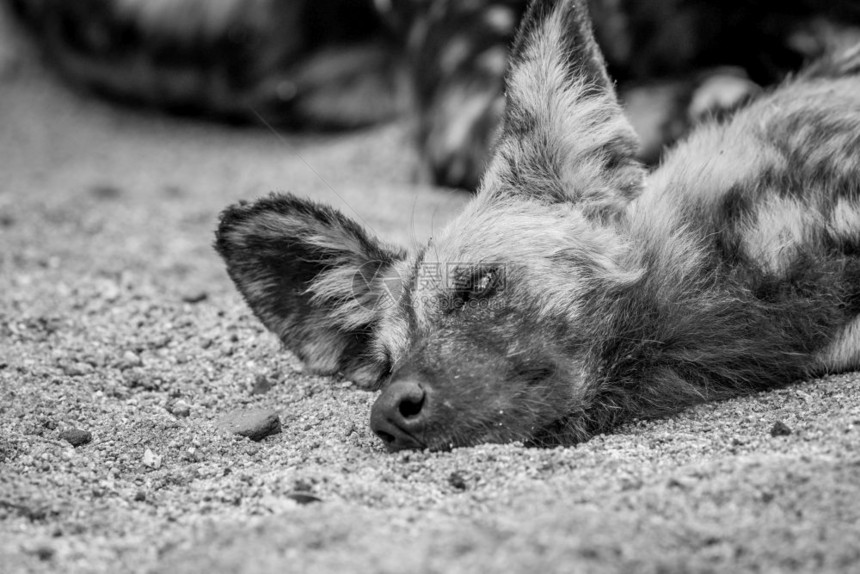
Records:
x=331, y=64
x=298, y=63
x=573, y=293
x=675, y=61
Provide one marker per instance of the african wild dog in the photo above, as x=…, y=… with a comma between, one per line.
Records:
x=321, y=64
x=575, y=292
x=673, y=60
x=333, y=64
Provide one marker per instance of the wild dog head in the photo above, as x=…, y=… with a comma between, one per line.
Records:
x=480, y=335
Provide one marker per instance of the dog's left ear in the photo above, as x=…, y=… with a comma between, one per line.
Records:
x=565, y=137
x=313, y=277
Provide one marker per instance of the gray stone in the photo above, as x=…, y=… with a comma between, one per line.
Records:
x=261, y=386
x=194, y=297
x=76, y=437
x=780, y=429
x=303, y=498
x=179, y=408
x=129, y=360
x=76, y=369
x=256, y=424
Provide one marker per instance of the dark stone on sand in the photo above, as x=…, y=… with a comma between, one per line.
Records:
x=76, y=437
x=262, y=385
x=195, y=297
x=179, y=408
x=780, y=429
x=303, y=497
x=256, y=424
x=457, y=481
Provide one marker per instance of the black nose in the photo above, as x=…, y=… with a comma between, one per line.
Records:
x=399, y=415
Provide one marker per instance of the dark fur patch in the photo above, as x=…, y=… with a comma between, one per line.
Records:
x=672, y=340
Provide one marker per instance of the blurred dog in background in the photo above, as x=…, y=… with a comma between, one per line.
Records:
x=342, y=64
x=317, y=64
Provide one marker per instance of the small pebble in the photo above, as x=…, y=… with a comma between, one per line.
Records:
x=303, y=497
x=682, y=483
x=780, y=429
x=173, y=191
x=195, y=297
x=110, y=291
x=179, y=408
x=106, y=191
x=76, y=369
x=137, y=378
x=76, y=437
x=457, y=481
x=160, y=342
x=130, y=359
x=256, y=424
x=43, y=552
x=151, y=459
x=262, y=385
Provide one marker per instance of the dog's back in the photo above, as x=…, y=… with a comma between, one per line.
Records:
x=768, y=202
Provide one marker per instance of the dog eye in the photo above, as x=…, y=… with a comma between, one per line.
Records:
x=484, y=285
x=475, y=286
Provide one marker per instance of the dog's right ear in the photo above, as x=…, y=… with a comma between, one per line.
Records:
x=565, y=137
x=313, y=277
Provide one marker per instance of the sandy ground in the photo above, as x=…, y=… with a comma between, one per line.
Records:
x=114, y=309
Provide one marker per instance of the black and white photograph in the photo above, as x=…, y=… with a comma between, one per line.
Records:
x=429, y=286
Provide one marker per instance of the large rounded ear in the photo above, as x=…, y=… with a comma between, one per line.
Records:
x=313, y=277
x=564, y=136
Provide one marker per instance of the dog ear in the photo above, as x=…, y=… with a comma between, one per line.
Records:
x=564, y=136
x=313, y=277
